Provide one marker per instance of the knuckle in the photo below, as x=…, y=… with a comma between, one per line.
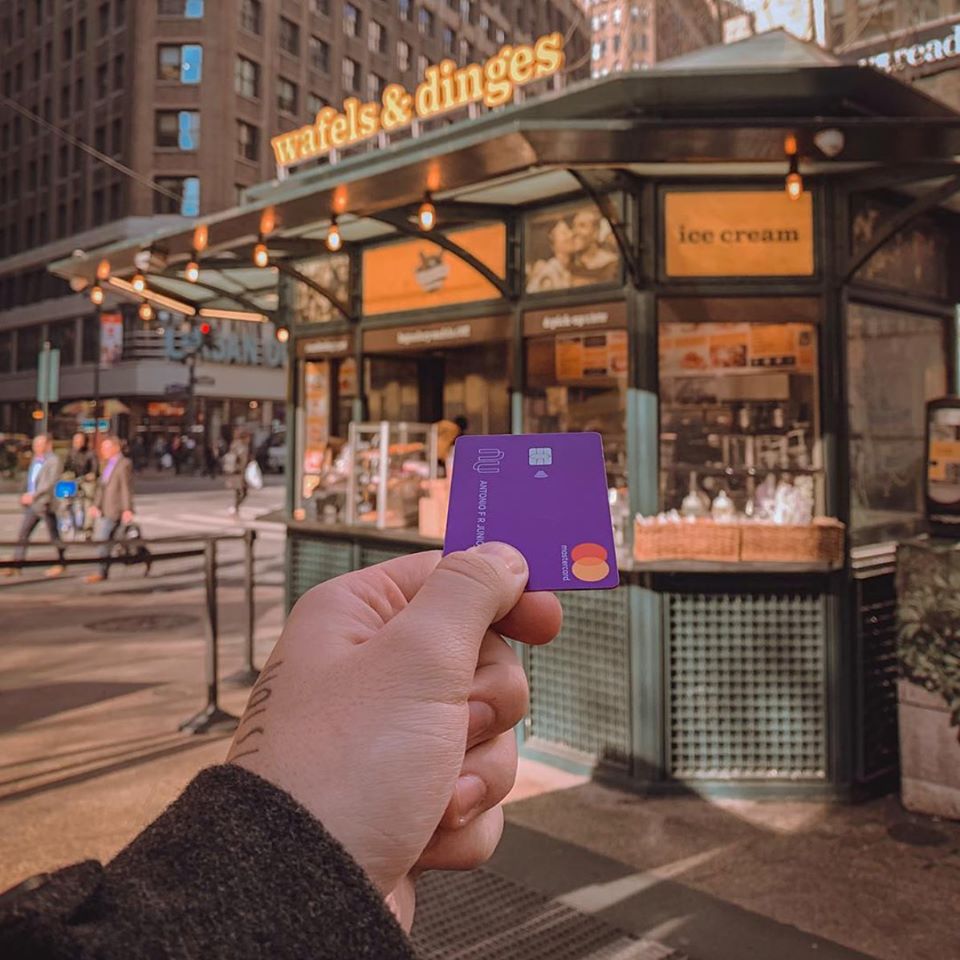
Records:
x=472, y=569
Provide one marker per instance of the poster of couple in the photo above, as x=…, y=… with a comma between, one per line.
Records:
x=570, y=246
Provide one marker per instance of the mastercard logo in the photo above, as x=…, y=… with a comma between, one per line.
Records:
x=589, y=562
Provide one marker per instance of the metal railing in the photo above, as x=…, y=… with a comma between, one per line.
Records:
x=138, y=550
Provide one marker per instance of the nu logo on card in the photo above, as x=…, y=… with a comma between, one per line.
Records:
x=488, y=460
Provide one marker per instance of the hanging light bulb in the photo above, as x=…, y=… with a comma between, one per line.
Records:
x=145, y=312
x=334, y=238
x=283, y=334
x=139, y=282
x=192, y=271
x=96, y=294
x=103, y=270
x=427, y=214
x=261, y=256
x=794, y=182
x=200, y=237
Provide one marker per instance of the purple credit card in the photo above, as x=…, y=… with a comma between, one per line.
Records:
x=543, y=493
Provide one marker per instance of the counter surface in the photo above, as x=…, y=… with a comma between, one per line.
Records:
x=411, y=538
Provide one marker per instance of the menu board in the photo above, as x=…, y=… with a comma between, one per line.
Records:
x=591, y=356
x=316, y=421
x=691, y=349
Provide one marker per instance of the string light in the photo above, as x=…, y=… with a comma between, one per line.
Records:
x=145, y=312
x=200, y=237
x=261, y=256
x=794, y=182
x=139, y=282
x=334, y=238
x=427, y=214
x=96, y=294
x=283, y=334
x=103, y=269
x=192, y=271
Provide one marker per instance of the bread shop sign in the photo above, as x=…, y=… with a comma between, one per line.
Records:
x=444, y=88
x=921, y=52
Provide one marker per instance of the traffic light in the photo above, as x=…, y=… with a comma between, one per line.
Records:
x=206, y=335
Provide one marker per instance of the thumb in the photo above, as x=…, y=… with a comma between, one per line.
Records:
x=449, y=615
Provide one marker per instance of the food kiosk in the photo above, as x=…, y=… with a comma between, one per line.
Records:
x=737, y=273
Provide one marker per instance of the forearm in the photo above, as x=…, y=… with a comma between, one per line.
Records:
x=234, y=868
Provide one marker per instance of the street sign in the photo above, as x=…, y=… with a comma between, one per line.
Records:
x=204, y=381
x=48, y=376
x=89, y=425
x=174, y=388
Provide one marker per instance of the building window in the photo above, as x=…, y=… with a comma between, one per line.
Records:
x=350, y=70
x=180, y=62
x=404, y=9
x=81, y=35
x=286, y=95
x=192, y=9
x=116, y=136
x=178, y=128
x=375, y=85
x=377, y=37
x=466, y=52
x=449, y=41
x=351, y=20
x=425, y=22
x=319, y=54
x=248, y=141
x=99, y=139
x=103, y=19
x=403, y=55
x=65, y=100
x=315, y=104
x=289, y=37
x=187, y=190
x=66, y=48
x=102, y=86
x=422, y=64
x=119, y=12
x=320, y=6
x=247, y=78
x=118, y=72
x=251, y=16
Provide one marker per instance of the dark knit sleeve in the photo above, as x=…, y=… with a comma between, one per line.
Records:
x=234, y=868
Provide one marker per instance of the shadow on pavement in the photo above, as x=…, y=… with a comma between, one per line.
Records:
x=24, y=705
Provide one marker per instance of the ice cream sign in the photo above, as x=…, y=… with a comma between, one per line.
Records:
x=444, y=88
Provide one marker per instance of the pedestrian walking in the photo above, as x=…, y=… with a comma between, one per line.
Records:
x=235, y=462
x=112, y=503
x=37, y=502
x=81, y=465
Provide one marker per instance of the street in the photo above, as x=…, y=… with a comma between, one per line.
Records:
x=95, y=681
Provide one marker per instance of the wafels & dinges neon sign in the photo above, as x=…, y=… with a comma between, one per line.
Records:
x=444, y=88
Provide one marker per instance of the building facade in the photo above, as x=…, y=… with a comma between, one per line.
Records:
x=635, y=34
x=187, y=94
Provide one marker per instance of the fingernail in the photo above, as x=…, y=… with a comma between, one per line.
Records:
x=482, y=717
x=509, y=556
x=470, y=792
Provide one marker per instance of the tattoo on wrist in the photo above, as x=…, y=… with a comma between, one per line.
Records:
x=256, y=707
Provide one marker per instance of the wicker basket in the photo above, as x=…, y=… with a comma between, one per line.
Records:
x=820, y=541
x=696, y=540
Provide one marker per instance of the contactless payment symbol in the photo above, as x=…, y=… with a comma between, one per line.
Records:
x=589, y=562
x=540, y=457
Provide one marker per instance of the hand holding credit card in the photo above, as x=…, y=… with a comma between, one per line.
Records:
x=546, y=495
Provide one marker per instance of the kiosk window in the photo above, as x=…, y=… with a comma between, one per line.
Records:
x=739, y=412
x=896, y=362
x=578, y=381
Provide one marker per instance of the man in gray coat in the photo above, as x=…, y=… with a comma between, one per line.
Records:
x=37, y=503
x=112, y=503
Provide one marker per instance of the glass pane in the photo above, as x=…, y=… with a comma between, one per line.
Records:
x=193, y=9
x=188, y=130
x=579, y=382
x=739, y=414
x=28, y=347
x=190, y=205
x=168, y=63
x=476, y=387
x=896, y=362
x=191, y=68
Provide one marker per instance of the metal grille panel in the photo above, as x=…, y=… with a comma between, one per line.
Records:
x=312, y=561
x=580, y=683
x=747, y=686
x=877, y=607
x=370, y=556
x=480, y=915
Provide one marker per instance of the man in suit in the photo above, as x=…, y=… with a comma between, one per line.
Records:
x=37, y=503
x=112, y=503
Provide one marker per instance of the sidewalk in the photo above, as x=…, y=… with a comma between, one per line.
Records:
x=93, y=687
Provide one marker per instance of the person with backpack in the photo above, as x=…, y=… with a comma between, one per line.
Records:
x=234, y=466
